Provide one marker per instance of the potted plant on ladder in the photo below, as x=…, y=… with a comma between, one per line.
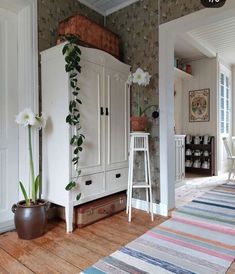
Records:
x=31, y=213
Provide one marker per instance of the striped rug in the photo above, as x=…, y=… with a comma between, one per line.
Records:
x=199, y=238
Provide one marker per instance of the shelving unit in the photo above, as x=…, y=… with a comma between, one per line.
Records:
x=210, y=148
x=182, y=74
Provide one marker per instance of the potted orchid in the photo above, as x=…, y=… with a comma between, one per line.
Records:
x=31, y=213
x=139, y=120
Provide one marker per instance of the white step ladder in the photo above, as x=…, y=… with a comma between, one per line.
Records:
x=139, y=142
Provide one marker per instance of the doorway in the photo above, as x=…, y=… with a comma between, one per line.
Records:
x=167, y=35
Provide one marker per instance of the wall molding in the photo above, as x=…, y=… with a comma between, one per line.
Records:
x=7, y=226
x=159, y=209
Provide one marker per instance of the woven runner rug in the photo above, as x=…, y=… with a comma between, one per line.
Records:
x=199, y=238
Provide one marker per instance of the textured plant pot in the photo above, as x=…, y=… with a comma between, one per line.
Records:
x=30, y=221
x=139, y=123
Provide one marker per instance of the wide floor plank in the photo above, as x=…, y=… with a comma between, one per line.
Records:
x=59, y=252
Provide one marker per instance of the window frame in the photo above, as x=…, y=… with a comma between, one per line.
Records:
x=227, y=102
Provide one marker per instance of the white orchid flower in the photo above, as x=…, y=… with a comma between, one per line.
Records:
x=139, y=77
x=26, y=118
x=147, y=78
x=41, y=121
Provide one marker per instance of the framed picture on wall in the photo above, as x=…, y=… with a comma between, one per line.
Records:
x=199, y=105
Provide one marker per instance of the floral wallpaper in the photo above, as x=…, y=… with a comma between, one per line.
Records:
x=137, y=26
x=51, y=12
x=172, y=9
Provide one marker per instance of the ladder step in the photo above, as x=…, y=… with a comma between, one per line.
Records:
x=139, y=149
x=140, y=185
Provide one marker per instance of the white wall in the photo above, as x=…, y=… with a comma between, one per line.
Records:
x=233, y=99
x=204, y=76
x=178, y=89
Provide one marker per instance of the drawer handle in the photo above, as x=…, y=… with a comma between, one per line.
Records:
x=118, y=175
x=87, y=183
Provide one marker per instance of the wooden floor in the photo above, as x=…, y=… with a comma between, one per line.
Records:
x=58, y=252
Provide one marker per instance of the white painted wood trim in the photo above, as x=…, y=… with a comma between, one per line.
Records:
x=109, y=11
x=28, y=84
x=167, y=32
x=121, y=6
x=93, y=7
x=142, y=205
x=182, y=74
x=7, y=226
x=203, y=48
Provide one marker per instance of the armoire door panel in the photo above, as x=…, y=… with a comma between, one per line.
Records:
x=90, y=82
x=116, y=120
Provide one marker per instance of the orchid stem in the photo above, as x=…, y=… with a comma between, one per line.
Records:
x=31, y=166
x=138, y=110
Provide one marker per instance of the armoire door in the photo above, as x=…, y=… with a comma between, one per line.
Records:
x=90, y=82
x=117, y=119
x=9, y=143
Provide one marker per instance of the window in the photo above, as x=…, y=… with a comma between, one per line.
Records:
x=224, y=103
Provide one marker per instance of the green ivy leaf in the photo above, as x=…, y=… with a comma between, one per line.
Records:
x=79, y=141
x=78, y=196
x=70, y=186
x=65, y=48
x=72, y=75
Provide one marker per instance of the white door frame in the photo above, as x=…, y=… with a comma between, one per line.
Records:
x=167, y=33
x=27, y=88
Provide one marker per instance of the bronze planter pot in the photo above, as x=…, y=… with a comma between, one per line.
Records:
x=139, y=123
x=30, y=221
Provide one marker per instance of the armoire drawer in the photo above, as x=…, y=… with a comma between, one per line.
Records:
x=91, y=185
x=116, y=179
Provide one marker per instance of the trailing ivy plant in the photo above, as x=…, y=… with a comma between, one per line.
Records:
x=72, y=54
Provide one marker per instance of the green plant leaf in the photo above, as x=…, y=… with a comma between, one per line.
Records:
x=78, y=196
x=70, y=186
x=79, y=101
x=75, y=93
x=36, y=185
x=76, y=150
x=65, y=48
x=24, y=194
x=72, y=75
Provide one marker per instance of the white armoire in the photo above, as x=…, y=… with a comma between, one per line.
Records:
x=105, y=124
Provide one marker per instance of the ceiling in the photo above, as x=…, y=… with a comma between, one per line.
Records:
x=186, y=51
x=106, y=7
x=217, y=38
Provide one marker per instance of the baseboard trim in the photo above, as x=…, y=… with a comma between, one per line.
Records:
x=7, y=226
x=157, y=208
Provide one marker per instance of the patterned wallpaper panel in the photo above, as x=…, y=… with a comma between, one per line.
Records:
x=51, y=12
x=137, y=26
x=172, y=9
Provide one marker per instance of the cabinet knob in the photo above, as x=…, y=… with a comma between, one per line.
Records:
x=101, y=111
x=89, y=182
x=118, y=175
x=106, y=111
